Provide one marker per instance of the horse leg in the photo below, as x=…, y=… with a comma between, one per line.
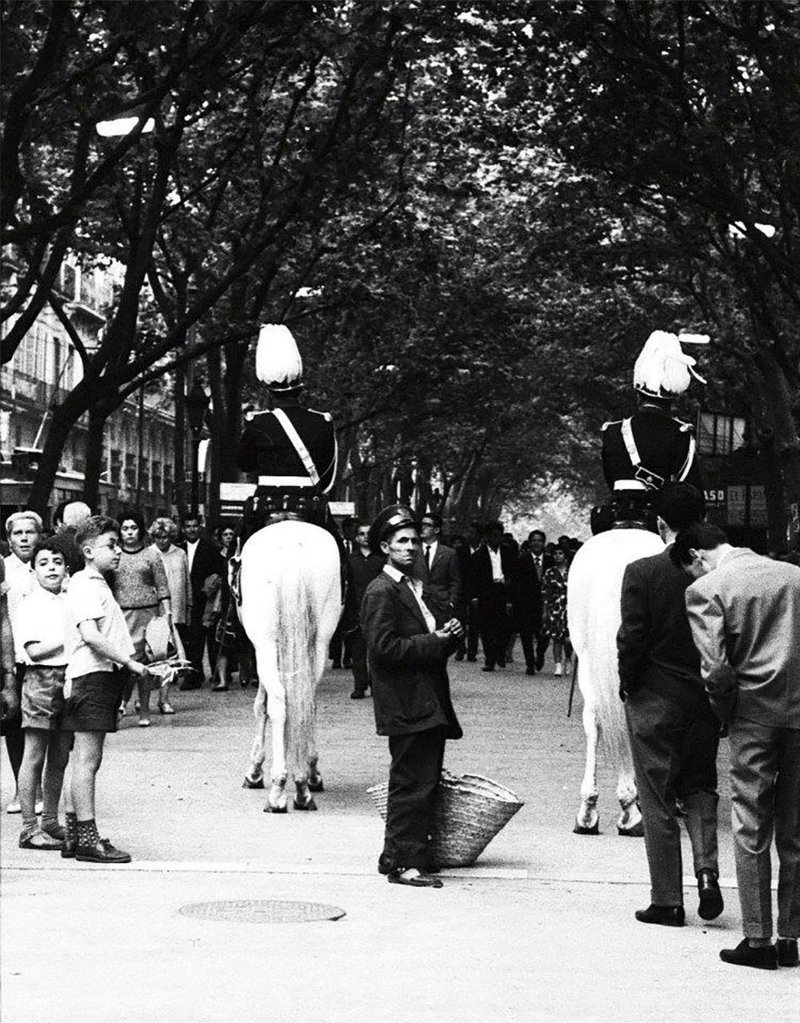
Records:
x=254, y=779
x=267, y=666
x=629, y=823
x=587, y=821
x=310, y=780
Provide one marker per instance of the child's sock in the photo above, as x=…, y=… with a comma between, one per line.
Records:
x=87, y=833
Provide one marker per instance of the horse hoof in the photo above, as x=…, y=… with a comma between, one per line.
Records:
x=276, y=809
x=637, y=831
x=248, y=783
x=316, y=785
x=581, y=829
x=308, y=805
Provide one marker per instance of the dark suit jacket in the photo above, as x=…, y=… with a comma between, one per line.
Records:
x=527, y=587
x=654, y=643
x=443, y=580
x=482, y=571
x=745, y=618
x=408, y=664
x=207, y=561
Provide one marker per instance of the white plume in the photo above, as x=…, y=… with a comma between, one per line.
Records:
x=278, y=362
x=663, y=368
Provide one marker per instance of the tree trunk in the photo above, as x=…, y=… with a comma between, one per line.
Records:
x=779, y=418
x=62, y=422
x=98, y=415
x=179, y=442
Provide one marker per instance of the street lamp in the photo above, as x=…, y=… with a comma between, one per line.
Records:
x=196, y=407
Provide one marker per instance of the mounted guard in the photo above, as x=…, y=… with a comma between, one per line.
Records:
x=651, y=447
x=640, y=455
x=289, y=450
x=290, y=576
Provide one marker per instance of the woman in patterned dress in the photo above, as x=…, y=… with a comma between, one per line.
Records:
x=554, y=609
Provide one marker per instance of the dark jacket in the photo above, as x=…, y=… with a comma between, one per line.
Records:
x=482, y=584
x=442, y=580
x=363, y=571
x=654, y=643
x=408, y=664
x=663, y=445
x=207, y=561
x=527, y=584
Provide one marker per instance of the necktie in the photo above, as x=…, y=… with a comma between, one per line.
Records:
x=428, y=557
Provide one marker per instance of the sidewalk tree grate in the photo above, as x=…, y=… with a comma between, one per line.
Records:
x=262, y=911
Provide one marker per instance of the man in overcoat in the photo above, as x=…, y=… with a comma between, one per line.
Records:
x=407, y=649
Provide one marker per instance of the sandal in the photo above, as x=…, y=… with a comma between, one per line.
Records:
x=39, y=840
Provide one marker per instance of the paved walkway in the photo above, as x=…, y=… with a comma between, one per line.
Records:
x=541, y=929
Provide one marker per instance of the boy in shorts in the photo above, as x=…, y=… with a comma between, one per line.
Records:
x=94, y=683
x=45, y=632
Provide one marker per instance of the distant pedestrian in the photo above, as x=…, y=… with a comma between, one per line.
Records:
x=205, y=562
x=365, y=565
x=142, y=591
x=554, y=609
x=164, y=532
x=94, y=684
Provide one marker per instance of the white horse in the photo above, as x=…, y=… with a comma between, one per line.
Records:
x=594, y=587
x=291, y=602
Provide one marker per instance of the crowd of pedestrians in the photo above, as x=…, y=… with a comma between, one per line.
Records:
x=77, y=619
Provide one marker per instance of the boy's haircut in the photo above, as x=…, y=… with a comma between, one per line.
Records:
x=51, y=544
x=700, y=536
x=680, y=505
x=94, y=527
x=537, y=532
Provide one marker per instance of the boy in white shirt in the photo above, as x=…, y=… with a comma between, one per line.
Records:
x=94, y=683
x=45, y=632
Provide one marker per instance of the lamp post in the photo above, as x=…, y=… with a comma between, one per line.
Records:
x=196, y=406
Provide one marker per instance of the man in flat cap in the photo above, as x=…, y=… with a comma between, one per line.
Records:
x=407, y=650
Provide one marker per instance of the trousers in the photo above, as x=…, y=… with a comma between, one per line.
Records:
x=765, y=798
x=413, y=776
x=674, y=745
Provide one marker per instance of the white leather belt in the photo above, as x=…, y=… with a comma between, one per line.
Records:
x=629, y=485
x=284, y=481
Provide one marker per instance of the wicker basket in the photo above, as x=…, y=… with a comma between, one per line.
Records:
x=469, y=811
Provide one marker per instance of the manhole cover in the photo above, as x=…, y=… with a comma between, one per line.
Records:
x=263, y=911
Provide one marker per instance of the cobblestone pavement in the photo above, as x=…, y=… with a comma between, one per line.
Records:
x=540, y=929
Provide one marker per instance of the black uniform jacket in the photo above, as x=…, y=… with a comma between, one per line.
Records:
x=654, y=643
x=408, y=664
x=662, y=442
x=266, y=450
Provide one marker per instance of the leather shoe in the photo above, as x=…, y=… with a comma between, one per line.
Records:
x=530, y=671
x=487, y=667
x=185, y=687
x=357, y=694
x=763, y=958
x=711, y=904
x=68, y=848
x=787, y=952
x=667, y=916
x=101, y=852
x=414, y=880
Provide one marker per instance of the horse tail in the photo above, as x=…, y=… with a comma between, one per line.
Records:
x=298, y=669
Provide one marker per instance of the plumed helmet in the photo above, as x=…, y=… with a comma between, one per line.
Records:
x=278, y=362
x=663, y=369
x=388, y=520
